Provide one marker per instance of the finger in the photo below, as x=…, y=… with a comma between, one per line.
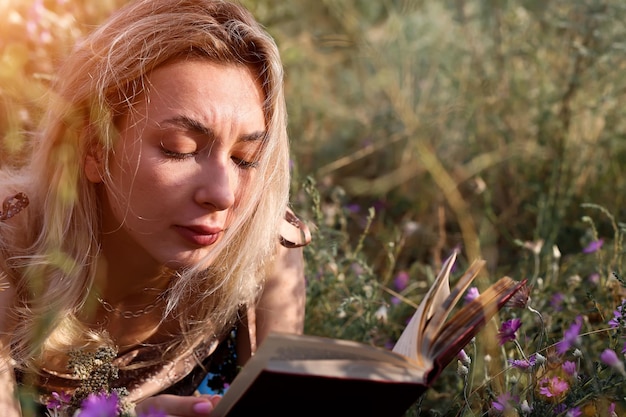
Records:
x=177, y=406
x=214, y=398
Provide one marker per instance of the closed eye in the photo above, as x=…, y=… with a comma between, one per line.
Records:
x=243, y=164
x=177, y=155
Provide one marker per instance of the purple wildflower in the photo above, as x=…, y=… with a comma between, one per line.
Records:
x=569, y=368
x=353, y=208
x=58, y=400
x=471, y=294
x=379, y=205
x=521, y=298
x=401, y=281
x=609, y=357
x=524, y=364
x=508, y=329
x=619, y=319
x=504, y=402
x=594, y=278
x=553, y=387
x=357, y=269
x=574, y=412
x=570, y=337
x=99, y=405
x=556, y=301
x=464, y=358
x=593, y=246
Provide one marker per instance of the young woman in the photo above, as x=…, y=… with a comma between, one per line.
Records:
x=151, y=214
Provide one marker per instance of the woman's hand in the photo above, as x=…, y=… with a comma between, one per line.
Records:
x=177, y=406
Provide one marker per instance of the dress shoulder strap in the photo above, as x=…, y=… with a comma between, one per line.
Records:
x=293, y=232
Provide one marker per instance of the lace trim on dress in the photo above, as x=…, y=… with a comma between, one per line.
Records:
x=12, y=205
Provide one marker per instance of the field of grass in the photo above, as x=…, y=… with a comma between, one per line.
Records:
x=423, y=126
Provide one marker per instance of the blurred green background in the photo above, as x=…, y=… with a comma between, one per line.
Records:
x=470, y=123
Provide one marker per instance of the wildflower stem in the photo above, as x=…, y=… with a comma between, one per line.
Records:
x=543, y=326
x=537, y=263
x=590, y=370
x=467, y=380
x=418, y=405
x=506, y=375
x=555, y=272
x=359, y=246
x=466, y=404
x=519, y=348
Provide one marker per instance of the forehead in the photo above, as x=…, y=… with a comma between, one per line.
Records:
x=198, y=88
x=186, y=76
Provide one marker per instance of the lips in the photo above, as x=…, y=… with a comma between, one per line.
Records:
x=199, y=235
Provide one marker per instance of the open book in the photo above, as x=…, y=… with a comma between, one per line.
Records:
x=303, y=375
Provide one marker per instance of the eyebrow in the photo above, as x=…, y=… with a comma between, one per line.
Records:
x=196, y=126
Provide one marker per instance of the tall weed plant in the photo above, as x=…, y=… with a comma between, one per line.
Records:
x=423, y=126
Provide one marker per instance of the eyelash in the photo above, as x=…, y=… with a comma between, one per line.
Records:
x=177, y=155
x=245, y=164
x=241, y=163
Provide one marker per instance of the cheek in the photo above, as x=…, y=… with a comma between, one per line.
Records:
x=131, y=183
x=143, y=200
x=124, y=160
x=245, y=187
x=150, y=187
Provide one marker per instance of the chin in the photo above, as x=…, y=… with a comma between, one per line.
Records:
x=181, y=263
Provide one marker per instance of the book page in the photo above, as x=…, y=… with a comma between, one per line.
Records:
x=470, y=319
x=441, y=315
x=410, y=341
x=350, y=369
x=432, y=339
x=288, y=347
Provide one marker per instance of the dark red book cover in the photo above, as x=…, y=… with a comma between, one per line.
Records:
x=289, y=395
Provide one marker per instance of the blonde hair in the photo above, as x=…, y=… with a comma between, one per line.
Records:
x=51, y=262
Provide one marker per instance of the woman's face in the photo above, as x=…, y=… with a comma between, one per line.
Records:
x=182, y=162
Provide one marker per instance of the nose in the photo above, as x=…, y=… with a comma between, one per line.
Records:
x=215, y=188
